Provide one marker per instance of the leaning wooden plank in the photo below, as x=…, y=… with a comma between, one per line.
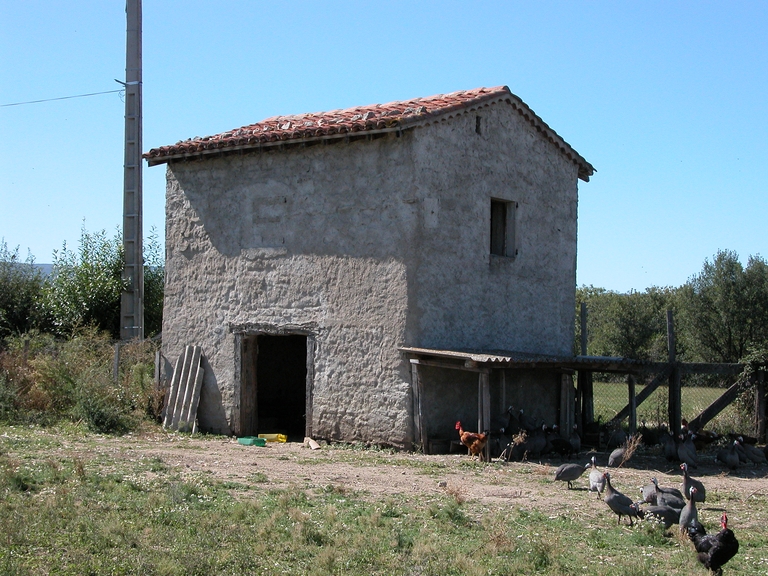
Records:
x=183, y=384
x=189, y=388
x=173, y=391
x=718, y=405
x=197, y=382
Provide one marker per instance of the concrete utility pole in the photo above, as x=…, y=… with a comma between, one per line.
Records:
x=132, y=300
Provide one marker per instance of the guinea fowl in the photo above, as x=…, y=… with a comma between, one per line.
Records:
x=558, y=444
x=714, y=550
x=530, y=448
x=670, y=446
x=686, y=451
x=622, y=505
x=702, y=439
x=665, y=514
x=616, y=457
x=616, y=438
x=596, y=478
x=649, y=493
x=741, y=452
x=754, y=454
x=575, y=439
x=668, y=496
x=688, y=483
x=729, y=456
x=689, y=515
x=569, y=473
x=526, y=422
x=513, y=426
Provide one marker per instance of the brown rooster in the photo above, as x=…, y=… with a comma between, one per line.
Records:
x=475, y=441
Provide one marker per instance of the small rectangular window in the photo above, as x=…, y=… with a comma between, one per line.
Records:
x=503, y=242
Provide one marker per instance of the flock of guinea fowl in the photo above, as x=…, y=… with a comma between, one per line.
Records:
x=666, y=505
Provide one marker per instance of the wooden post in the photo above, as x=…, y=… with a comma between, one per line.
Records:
x=675, y=400
x=567, y=393
x=116, y=363
x=632, y=405
x=158, y=371
x=504, y=390
x=485, y=410
x=760, y=406
x=584, y=381
x=419, y=433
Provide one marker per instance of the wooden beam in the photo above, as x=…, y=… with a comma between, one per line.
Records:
x=449, y=365
x=703, y=368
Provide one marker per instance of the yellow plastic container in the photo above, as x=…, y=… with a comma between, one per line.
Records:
x=274, y=437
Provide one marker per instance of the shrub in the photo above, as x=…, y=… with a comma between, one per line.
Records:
x=43, y=380
x=20, y=292
x=101, y=405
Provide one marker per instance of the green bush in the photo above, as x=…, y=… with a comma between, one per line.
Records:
x=20, y=293
x=101, y=406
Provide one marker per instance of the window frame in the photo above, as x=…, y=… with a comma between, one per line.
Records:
x=503, y=228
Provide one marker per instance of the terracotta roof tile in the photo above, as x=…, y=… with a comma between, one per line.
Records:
x=375, y=118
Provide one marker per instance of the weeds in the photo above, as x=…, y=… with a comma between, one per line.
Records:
x=46, y=381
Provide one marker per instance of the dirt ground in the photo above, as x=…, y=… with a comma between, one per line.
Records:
x=529, y=485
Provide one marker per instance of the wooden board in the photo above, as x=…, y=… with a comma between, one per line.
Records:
x=184, y=393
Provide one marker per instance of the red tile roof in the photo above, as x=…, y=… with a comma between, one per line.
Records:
x=360, y=120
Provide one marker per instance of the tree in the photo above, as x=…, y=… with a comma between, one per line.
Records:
x=85, y=287
x=631, y=325
x=20, y=290
x=724, y=309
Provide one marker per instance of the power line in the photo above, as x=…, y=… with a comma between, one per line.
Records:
x=61, y=98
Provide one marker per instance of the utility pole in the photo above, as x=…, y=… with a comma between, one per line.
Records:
x=132, y=300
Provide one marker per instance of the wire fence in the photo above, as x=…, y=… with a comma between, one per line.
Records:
x=611, y=397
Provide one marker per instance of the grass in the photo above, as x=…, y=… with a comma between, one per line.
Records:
x=64, y=514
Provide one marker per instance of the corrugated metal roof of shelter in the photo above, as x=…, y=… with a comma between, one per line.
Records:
x=360, y=120
x=507, y=357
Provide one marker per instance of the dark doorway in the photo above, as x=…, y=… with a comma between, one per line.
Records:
x=274, y=387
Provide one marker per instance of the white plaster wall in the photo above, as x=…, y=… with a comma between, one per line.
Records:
x=370, y=245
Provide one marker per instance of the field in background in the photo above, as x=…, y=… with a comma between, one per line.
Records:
x=611, y=397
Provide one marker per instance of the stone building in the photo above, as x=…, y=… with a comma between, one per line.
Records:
x=349, y=274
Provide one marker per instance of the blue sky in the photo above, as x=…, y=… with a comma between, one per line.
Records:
x=668, y=100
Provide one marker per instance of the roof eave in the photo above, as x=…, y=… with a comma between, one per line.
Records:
x=251, y=146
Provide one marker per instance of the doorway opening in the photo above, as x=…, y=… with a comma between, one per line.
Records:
x=274, y=385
